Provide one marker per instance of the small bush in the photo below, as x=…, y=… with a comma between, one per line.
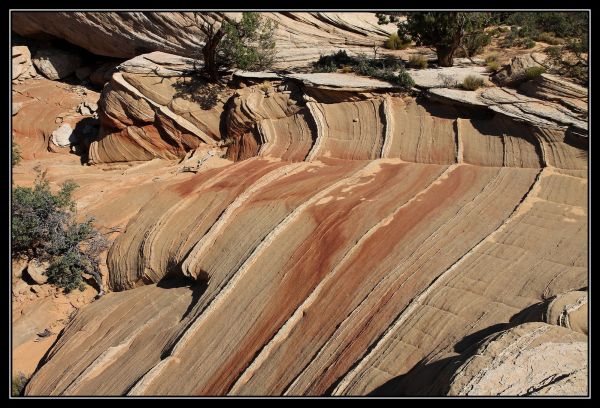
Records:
x=548, y=38
x=534, y=72
x=493, y=66
x=472, y=83
x=417, y=61
x=19, y=382
x=448, y=81
x=346, y=69
x=16, y=154
x=44, y=228
x=528, y=43
x=265, y=86
x=475, y=43
x=395, y=42
x=330, y=63
x=491, y=58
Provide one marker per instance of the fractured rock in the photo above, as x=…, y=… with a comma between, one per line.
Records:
x=56, y=64
x=22, y=67
x=63, y=136
x=37, y=271
x=514, y=73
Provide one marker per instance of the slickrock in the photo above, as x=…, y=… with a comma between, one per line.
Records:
x=514, y=73
x=554, y=88
x=46, y=106
x=300, y=37
x=335, y=238
x=531, y=359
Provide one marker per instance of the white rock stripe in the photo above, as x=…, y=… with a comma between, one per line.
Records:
x=417, y=300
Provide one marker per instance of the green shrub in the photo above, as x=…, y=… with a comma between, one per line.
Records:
x=528, y=43
x=472, y=83
x=534, y=72
x=19, y=382
x=346, y=69
x=475, y=43
x=330, y=63
x=417, y=61
x=548, y=38
x=44, y=228
x=493, y=66
x=395, y=42
x=16, y=154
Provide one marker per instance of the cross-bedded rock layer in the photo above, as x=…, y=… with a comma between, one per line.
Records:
x=359, y=241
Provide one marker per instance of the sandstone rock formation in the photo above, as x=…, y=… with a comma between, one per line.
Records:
x=532, y=359
x=22, y=67
x=300, y=37
x=514, y=73
x=56, y=64
x=361, y=236
x=45, y=107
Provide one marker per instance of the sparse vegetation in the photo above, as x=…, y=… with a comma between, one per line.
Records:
x=570, y=60
x=472, y=83
x=16, y=154
x=445, y=31
x=265, y=86
x=44, y=228
x=381, y=68
x=493, y=66
x=395, y=42
x=528, y=43
x=548, y=38
x=417, y=61
x=19, y=382
x=245, y=44
x=534, y=72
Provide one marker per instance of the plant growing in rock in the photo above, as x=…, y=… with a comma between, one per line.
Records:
x=417, y=61
x=16, y=154
x=444, y=31
x=472, y=82
x=19, y=382
x=245, y=44
x=534, y=72
x=44, y=228
x=395, y=42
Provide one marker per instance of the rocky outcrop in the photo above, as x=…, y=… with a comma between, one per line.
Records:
x=22, y=67
x=531, y=359
x=56, y=64
x=48, y=116
x=513, y=74
x=430, y=225
x=300, y=37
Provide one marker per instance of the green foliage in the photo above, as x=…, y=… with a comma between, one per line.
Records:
x=575, y=65
x=382, y=68
x=472, y=83
x=248, y=44
x=548, y=38
x=561, y=24
x=446, y=31
x=534, y=72
x=19, y=382
x=395, y=42
x=44, y=228
x=16, y=154
x=417, y=61
x=528, y=43
x=475, y=42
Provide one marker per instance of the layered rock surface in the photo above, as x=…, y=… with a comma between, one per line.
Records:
x=300, y=37
x=363, y=237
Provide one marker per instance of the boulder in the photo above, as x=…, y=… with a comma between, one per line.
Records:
x=16, y=107
x=529, y=359
x=56, y=64
x=22, y=68
x=36, y=271
x=514, y=73
x=63, y=136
